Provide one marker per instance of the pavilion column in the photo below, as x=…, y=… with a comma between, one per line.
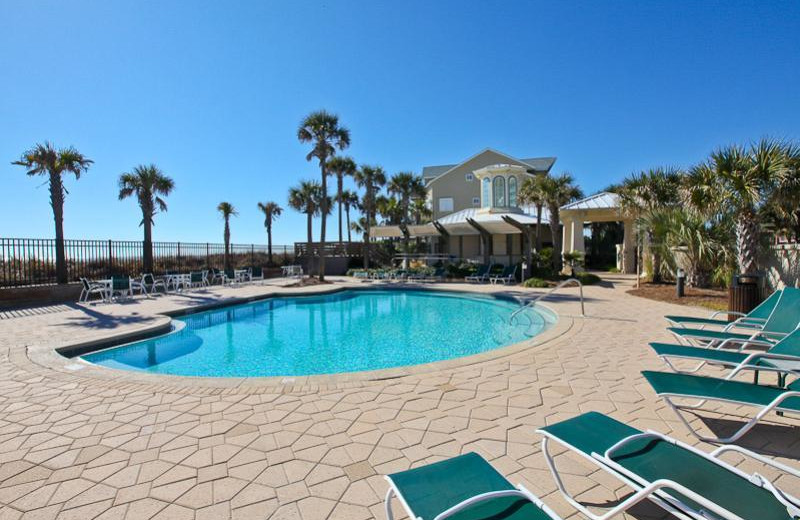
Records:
x=577, y=236
x=629, y=248
x=566, y=242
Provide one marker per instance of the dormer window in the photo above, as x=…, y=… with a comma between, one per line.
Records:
x=499, y=192
x=500, y=186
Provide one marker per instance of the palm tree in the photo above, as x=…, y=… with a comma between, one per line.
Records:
x=45, y=159
x=227, y=210
x=349, y=200
x=558, y=191
x=341, y=167
x=271, y=212
x=390, y=209
x=371, y=178
x=406, y=186
x=307, y=198
x=420, y=211
x=322, y=129
x=149, y=184
x=361, y=226
x=781, y=211
x=531, y=193
x=739, y=181
x=641, y=194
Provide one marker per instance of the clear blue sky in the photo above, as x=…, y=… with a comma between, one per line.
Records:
x=212, y=92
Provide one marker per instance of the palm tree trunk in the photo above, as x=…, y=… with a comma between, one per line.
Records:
x=655, y=257
x=147, y=253
x=406, y=222
x=309, y=229
x=538, y=228
x=269, y=244
x=368, y=223
x=323, y=224
x=227, y=245
x=747, y=233
x=57, y=203
x=339, y=189
x=555, y=224
x=349, y=236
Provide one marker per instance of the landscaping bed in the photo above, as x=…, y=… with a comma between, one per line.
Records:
x=715, y=299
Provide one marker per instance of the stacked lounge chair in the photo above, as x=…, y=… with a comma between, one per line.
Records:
x=781, y=321
x=755, y=319
x=779, y=339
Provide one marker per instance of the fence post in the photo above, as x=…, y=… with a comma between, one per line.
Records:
x=252, y=255
x=110, y=261
x=208, y=257
x=180, y=264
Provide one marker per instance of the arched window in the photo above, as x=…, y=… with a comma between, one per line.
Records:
x=499, y=190
x=487, y=193
x=512, y=191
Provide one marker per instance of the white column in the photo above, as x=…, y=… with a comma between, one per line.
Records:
x=629, y=248
x=566, y=242
x=577, y=236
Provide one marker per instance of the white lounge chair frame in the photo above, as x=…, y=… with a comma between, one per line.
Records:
x=141, y=285
x=792, y=366
x=653, y=490
x=742, y=321
x=774, y=405
x=511, y=278
x=520, y=492
x=89, y=287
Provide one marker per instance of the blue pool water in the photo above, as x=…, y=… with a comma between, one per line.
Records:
x=342, y=332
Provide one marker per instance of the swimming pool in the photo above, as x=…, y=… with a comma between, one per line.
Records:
x=347, y=331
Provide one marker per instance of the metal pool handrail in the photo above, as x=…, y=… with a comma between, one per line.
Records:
x=548, y=293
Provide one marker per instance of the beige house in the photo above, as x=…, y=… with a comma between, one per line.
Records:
x=476, y=212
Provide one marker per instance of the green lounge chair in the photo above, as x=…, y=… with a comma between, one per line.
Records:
x=755, y=319
x=784, y=356
x=465, y=487
x=481, y=275
x=509, y=275
x=783, y=320
x=671, y=386
x=438, y=275
x=680, y=478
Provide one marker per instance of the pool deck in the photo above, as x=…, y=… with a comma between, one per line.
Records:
x=87, y=442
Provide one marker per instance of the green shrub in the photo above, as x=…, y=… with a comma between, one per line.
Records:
x=536, y=283
x=588, y=278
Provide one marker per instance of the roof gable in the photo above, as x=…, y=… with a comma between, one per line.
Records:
x=602, y=200
x=434, y=173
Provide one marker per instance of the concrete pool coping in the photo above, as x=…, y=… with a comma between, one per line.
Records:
x=55, y=359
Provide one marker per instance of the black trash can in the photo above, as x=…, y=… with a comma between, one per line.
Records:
x=743, y=295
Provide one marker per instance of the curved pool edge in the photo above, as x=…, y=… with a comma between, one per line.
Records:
x=50, y=358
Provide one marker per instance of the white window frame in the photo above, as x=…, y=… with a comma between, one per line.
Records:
x=469, y=177
x=476, y=201
x=443, y=206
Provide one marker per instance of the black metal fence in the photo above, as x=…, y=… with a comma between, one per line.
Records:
x=32, y=261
